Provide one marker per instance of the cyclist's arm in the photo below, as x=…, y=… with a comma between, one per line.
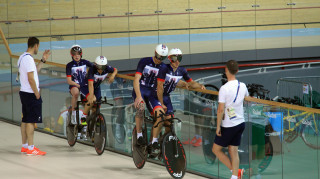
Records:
x=195, y=85
x=160, y=91
x=90, y=86
x=136, y=84
x=70, y=82
x=182, y=84
x=112, y=75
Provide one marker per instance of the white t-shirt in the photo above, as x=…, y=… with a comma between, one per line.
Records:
x=227, y=95
x=26, y=64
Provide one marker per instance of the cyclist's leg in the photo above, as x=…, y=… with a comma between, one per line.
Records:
x=75, y=92
x=167, y=102
x=157, y=110
x=139, y=119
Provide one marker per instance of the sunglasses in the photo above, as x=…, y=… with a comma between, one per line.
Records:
x=175, y=58
x=159, y=57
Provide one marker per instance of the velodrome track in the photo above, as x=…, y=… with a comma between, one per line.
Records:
x=62, y=161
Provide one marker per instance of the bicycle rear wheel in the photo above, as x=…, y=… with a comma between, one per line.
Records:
x=71, y=130
x=139, y=153
x=310, y=134
x=100, y=132
x=174, y=156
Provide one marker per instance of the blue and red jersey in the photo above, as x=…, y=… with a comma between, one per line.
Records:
x=148, y=71
x=171, y=77
x=78, y=70
x=96, y=77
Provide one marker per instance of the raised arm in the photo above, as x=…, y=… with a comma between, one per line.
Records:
x=112, y=75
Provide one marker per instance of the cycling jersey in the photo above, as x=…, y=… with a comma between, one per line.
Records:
x=97, y=78
x=171, y=77
x=148, y=71
x=77, y=71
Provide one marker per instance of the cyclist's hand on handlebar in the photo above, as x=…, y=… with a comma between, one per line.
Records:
x=218, y=131
x=91, y=98
x=202, y=87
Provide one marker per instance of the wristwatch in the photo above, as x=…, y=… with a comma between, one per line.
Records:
x=42, y=61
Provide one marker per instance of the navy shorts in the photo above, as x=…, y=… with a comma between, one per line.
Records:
x=167, y=102
x=84, y=91
x=230, y=135
x=72, y=86
x=151, y=101
x=31, y=108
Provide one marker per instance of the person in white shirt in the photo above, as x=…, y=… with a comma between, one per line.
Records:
x=230, y=129
x=30, y=95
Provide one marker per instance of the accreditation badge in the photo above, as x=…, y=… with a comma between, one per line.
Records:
x=231, y=113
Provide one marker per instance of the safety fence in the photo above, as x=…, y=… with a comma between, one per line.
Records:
x=280, y=140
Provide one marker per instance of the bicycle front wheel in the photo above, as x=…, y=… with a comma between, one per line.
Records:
x=174, y=156
x=71, y=130
x=139, y=153
x=100, y=132
x=310, y=134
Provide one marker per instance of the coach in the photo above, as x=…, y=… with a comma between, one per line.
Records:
x=30, y=95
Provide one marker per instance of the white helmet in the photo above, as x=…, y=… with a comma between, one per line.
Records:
x=175, y=51
x=161, y=52
x=101, y=60
x=174, y=55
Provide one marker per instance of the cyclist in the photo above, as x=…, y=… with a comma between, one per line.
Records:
x=76, y=71
x=144, y=81
x=168, y=78
x=90, y=90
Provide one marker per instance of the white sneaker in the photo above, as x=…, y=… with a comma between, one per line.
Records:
x=73, y=119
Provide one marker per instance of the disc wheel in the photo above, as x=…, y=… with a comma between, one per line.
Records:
x=174, y=156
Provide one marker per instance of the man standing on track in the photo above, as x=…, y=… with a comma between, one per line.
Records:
x=230, y=129
x=30, y=95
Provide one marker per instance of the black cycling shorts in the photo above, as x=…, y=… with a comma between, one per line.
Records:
x=31, y=108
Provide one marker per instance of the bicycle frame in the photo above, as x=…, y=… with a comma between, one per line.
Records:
x=172, y=129
x=290, y=118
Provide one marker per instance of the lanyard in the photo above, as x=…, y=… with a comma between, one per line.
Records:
x=237, y=92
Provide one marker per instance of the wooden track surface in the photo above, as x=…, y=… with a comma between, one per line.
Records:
x=205, y=13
